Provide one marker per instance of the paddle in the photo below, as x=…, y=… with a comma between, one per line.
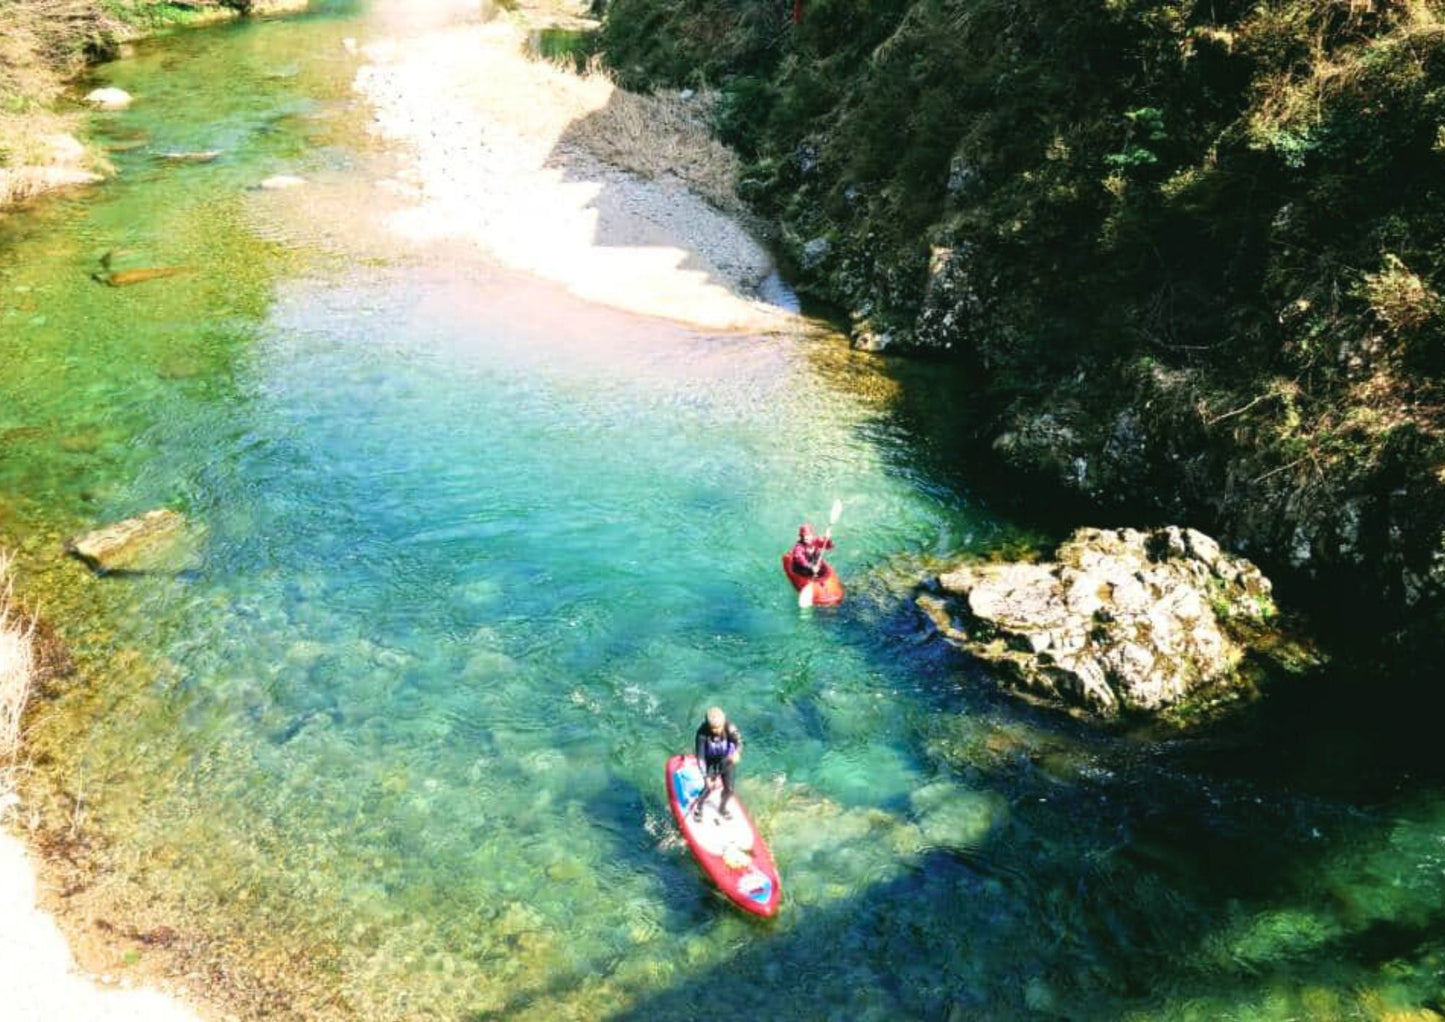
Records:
x=805, y=594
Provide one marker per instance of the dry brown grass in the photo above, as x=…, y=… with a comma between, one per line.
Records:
x=25, y=75
x=41, y=45
x=1293, y=99
x=38, y=153
x=17, y=665
x=659, y=136
x=656, y=137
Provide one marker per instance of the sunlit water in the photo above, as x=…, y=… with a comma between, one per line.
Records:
x=477, y=559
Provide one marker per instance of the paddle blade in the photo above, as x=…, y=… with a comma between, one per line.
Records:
x=805, y=596
x=836, y=513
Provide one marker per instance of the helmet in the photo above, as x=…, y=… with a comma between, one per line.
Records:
x=805, y=531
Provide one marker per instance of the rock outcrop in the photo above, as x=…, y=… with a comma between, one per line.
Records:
x=1122, y=621
x=157, y=542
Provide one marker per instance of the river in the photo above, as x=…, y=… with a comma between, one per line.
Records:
x=479, y=555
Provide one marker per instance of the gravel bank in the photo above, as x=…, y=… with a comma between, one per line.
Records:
x=500, y=157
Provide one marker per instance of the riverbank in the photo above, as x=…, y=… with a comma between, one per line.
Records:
x=38, y=973
x=48, y=42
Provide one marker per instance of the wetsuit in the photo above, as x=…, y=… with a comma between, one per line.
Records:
x=713, y=752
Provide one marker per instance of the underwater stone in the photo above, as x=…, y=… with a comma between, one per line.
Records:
x=157, y=542
x=108, y=99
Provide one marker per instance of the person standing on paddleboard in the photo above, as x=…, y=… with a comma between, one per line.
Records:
x=808, y=552
x=719, y=747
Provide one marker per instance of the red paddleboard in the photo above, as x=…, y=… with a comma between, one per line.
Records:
x=827, y=590
x=731, y=852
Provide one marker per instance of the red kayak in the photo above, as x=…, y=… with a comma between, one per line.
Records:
x=827, y=589
x=730, y=851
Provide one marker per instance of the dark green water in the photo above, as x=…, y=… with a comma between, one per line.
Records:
x=478, y=556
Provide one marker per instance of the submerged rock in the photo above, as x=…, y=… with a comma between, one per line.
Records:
x=108, y=99
x=125, y=278
x=277, y=182
x=157, y=542
x=1121, y=621
x=190, y=156
x=109, y=275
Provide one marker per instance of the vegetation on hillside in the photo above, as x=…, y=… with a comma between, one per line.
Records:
x=1195, y=250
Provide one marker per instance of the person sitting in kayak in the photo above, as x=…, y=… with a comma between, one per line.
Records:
x=807, y=554
x=719, y=747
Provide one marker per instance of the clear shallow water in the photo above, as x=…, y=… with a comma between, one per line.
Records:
x=478, y=557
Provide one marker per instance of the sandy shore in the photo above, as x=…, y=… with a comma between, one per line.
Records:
x=504, y=154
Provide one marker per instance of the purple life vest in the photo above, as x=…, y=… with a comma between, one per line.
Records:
x=720, y=747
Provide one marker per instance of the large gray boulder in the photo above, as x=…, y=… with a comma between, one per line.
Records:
x=1121, y=621
x=157, y=542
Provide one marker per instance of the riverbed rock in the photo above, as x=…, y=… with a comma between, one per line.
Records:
x=65, y=149
x=1121, y=621
x=108, y=98
x=815, y=253
x=190, y=156
x=157, y=542
x=125, y=278
x=278, y=182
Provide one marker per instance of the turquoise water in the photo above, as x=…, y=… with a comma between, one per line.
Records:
x=478, y=556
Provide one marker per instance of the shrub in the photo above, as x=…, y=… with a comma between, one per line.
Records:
x=1399, y=298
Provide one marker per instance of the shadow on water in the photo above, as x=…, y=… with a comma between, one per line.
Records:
x=976, y=919
x=1147, y=911
x=1255, y=864
x=1233, y=872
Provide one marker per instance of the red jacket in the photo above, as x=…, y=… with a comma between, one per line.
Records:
x=808, y=555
